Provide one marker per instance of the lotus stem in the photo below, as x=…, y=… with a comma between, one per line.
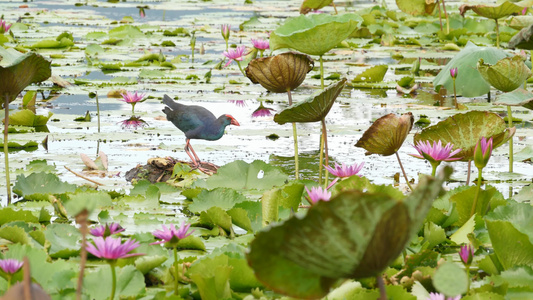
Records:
x=381, y=286
x=113, y=280
x=98, y=111
x=176, y=271
x=325, y=139
x=440, y=15
x=295, y=136
x=455, y=96
x=469, y=171
x=321, y=72
x=434, y=168
x=321, y=159
x=497, y=34
x=81, y=219
x=447, y=19
x=7, y=97
x=240, y=68
x=474, y=204
x=467, y=269
x=334, y=7
x=403, y=171
x=510, y=120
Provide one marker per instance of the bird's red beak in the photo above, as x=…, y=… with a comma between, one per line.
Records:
x=233, y=121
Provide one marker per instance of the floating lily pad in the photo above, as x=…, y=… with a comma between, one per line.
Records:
x=37, y=186
x=314, y=109
x=518, y=97
x=26, y=117
x=469, y=82
x=280, y=73
x=387, y=134
x=372, y=74
x=507, y=74
x=354, y=235
x=465, y=130
x=314, y=34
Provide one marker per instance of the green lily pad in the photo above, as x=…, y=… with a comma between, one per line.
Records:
x=518, y=97
x=507, y=74
x=26, y=117
x=372, y=74
x=130, y=282
x=465, y=130
x=494, y=12
x=469, y=82
x=314, y=109
x=309, y=5
x=64, y=239
x=37, y=186
x=212, y=277
x=416, y=7
x=28, y=146
x=387, y=134
x=450, y=279
x=223, y=198
x=510, y=225
x=314, y=34
x=20, y=70
x=354, y=235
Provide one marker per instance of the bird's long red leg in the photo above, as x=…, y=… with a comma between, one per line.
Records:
x=188, y=149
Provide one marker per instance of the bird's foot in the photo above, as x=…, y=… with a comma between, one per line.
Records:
x=205, y=167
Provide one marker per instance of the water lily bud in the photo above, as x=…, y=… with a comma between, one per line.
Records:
x=482, y=152
x=453, y=72
x=225, y=31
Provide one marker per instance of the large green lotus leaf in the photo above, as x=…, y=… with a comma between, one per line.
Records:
x=469, y=82
x=372, y=74
x=488, y=199
x=354, y=235
x=26, y=117
x=38, y=186
x=309, y=5
x=19, y=70
x=465, y=130
x=511, y=234
x=212, y=276
x=87, y=201
x=240, y=175
x=64, y=240
x=416, y=7
x=523, y=39
x=280, y=73
x=506, y=75
x=514, y=278
x=315, y=34
x=387, y=134
x=518, y=97
x=314, y=109
x=495, y=12
x=224, y=198
x=130, y=282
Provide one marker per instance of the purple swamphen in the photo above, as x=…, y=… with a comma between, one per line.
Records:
x=197, y=123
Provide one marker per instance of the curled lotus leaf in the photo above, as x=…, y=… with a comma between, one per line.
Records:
x=523, y=39
x=19, y=70
x=309, y=5
x=314, y=109
x=465, y=130
x=518, y=97
x=417, y=7
x=314, y=34
x=494, y=12
x=520, y=22
x=280, y=73
x=354, y=235
x=506, y=75
x=387, y=134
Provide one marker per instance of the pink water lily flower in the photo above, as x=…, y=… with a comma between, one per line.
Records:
x=132, y=98
x=453, y=72
x=106, y=230
x=345, y=170
x=262, y=111
x=112, y=248
x=133, y=123
x=467, y=254
x=436, y=152
x=4, y=27
x=260, y=44
x=172, y=234
x=239, y=103
x=10, y=266
x=236, y=54
x=438, y=296
x=316, y=194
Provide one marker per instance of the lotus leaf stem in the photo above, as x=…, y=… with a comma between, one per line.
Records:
x=403, y=171
x=176, y=271
x=497, y=34
x=321, y=72
x=325, y=139
x=381, y=286
x=447, y=19
x=98, y=111
x=81, y=219
x=334, y=7
x=468, y=172
x=7, y=99
x=474, y=204
x=113, y=279
x=455, y=95
x=295, y=136
x=510, y=120
x=440, y=15
x=321, y=158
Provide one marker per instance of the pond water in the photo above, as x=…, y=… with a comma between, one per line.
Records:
x=352, y=114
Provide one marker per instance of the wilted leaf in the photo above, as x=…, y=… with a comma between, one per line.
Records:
x=507, y=74
x=309, y=5
x=416, y=7
x=387, y=134
x=523, y=40
x=518, y=97
x=495, y=12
